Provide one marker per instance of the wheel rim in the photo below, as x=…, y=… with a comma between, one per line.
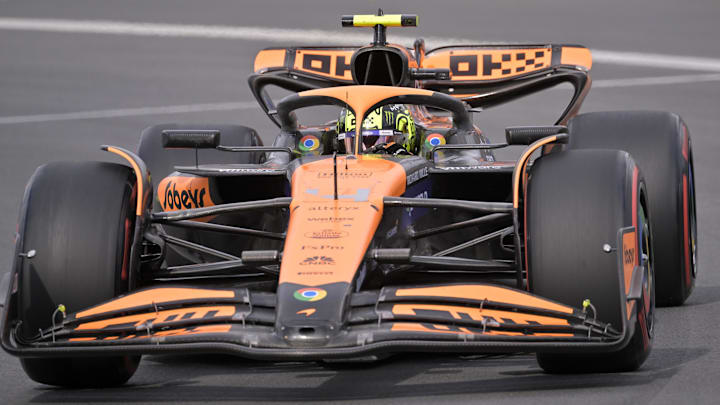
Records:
x=646, y=262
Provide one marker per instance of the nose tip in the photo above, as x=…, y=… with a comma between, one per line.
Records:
x=308, y=335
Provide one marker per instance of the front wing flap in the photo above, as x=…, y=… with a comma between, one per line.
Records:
x=452, y=318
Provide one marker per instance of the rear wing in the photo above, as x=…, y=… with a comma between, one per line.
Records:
x=489, y=75
x=327, y=64
x=481, y=75
x=485, y=63
x=467, y=64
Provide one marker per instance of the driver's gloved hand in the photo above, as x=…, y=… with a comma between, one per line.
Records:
x=391, y=148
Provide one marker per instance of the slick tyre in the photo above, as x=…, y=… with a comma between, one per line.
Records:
x=79, y=220
x=576, y=203
x=660, y=144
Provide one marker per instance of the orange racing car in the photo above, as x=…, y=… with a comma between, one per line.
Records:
x=389, y=228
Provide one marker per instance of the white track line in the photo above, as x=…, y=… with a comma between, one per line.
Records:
x=320, y=37
x=129, y=112
x=656, y=60
x=193, y=108
x=654, y=81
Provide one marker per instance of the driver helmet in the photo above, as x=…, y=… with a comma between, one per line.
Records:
x=386, y=124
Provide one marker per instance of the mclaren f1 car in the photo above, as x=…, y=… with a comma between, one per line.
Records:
x=354, y=240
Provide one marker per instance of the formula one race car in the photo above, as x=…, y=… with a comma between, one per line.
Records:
x=389, y=228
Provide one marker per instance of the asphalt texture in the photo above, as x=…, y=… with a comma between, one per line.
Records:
x=58, y=73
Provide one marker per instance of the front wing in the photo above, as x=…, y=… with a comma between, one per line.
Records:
x=450, y=318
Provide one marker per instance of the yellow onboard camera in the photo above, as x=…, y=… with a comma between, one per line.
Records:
x=379, y=23
x=389, y=20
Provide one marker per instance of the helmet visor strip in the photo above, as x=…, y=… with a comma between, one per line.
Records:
x=370, y=138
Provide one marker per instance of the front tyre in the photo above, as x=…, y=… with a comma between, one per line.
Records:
x=576, y=203
x=79, y=218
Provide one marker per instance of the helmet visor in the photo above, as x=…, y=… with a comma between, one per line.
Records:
x=371, y=137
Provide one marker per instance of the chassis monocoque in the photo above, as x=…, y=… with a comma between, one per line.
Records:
x=302, y=251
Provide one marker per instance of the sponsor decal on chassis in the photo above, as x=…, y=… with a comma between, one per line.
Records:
x=309, y=143
x=477, y=167
x=629, y=255
x=306, y=312
x=315, y=273
x=347, y=174
x=318, y=260
x=330, y=219
x=310, y=294
x=247, y=170
x=322, y=247
x=417, y=175
x=183, y=193
x=326, y=234
x=333, y=208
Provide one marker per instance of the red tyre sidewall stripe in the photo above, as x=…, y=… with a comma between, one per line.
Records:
x=686, y=208
x=634, y=200
x=686, y=230
x=126, y=242
x=126, y=251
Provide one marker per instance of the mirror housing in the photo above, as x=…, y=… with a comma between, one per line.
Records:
x=191, y=138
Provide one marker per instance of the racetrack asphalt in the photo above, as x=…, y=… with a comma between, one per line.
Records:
x=108, y=87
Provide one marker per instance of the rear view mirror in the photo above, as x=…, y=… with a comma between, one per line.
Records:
x=192, y=138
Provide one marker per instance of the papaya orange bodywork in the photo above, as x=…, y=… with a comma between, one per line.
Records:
x=315, y=66
x=432, y=328
x=576, y=56
x=196, y=330
x=468, y=64
x=342, y=227
x=481, y=292
x=269, y=58
x=162, y=316
x=138, y=175
x=184, y=192
x=478, y=314
x=156, y=296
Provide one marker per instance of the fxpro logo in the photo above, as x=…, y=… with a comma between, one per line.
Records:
x=183, y=198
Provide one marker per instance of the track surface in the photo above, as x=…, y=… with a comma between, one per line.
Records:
x=45, y=74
